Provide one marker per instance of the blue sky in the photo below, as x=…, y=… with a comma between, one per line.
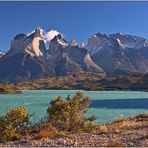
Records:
x=76, y=20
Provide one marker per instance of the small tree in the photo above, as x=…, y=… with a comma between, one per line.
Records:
x=19, y=118
x=14, y=124
x=69, y=114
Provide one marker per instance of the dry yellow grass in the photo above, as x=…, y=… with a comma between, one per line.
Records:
x=115, y=144
x=44, y=134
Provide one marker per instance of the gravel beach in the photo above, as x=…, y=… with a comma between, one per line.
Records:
x=128, y=133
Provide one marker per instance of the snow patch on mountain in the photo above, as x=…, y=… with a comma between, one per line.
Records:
x=129, y=41
x=82, y=45
x=118, y=40
x=94, y=49
x=96, y=43
x=2, y=53
x=61, y=42
x=100, y=41
x=73, y=43
x=51, y=34
x=29, y=33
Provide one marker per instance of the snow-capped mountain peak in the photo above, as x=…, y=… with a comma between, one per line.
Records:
x=82, y=45
x=129, y=41
x=99, y=40
x=39, y=32
x=73, y=43
x=51, y=34
x=96, y=42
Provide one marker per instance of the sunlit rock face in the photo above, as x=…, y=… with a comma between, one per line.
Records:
x=32, y=44
x=25, y=60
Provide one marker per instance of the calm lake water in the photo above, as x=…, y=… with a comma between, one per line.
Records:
x=107, y=105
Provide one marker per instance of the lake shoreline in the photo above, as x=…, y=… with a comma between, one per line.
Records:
x=9, y=89
x=126, y=90
x=129, y=132
x=108, y=104
x=124, y=131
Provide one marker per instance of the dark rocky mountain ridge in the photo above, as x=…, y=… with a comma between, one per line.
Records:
x=119, y=54
x=29, y=58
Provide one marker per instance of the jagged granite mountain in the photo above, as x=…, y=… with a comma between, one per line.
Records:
x=24, y=60
x=68, y=57
x=119, y=54
x=115, y=54
x=28, y=57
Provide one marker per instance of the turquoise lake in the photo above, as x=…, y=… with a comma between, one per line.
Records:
x=107, y=105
